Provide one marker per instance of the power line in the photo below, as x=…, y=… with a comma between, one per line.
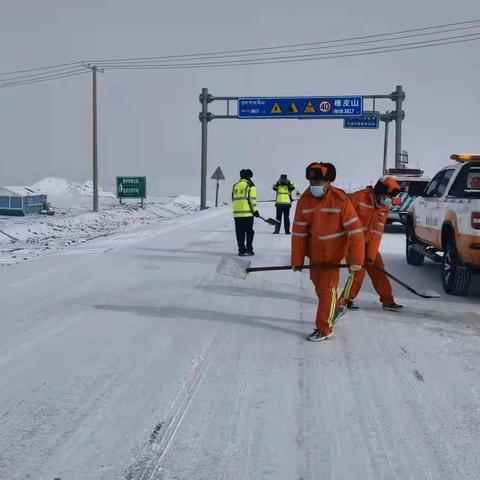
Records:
x=49, y=77
x=324, y=42
x=332, y=56
x=324, y=56
x=41, y=68
x=322, y=47
x=27, y=76
x=473, y=23
x=309, y=57
x=37, y=75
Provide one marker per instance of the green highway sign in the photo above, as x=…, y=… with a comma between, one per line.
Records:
x=132, y=187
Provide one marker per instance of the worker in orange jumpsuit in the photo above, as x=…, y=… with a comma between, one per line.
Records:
x=372, y=204
x=326, y=229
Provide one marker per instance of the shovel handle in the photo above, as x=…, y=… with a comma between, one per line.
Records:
x=290, y=267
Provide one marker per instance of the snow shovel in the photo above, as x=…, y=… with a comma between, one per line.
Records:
x=270, y=221
x=240, y=268
x=423, y=294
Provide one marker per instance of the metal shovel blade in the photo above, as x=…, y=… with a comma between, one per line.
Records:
x=233, y=267
x=430, y=294
x=270, y=221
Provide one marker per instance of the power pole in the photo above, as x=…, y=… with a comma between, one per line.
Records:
x=95, y=140
x=94, y=70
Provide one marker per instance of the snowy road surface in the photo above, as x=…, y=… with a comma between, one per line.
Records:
x=134, y=360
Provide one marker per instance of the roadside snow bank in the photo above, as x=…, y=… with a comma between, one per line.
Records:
x=74, y=223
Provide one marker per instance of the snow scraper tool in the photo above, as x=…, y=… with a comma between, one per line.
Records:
x=240, y=268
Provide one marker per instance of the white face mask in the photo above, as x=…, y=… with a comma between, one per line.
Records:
x=318, y=191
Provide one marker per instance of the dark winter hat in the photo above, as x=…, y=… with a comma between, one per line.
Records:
x=246, y=173
x=321, y=171
x=283, y=176
x=387, y=186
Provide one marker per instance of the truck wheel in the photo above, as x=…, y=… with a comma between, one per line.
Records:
x=456, y=278
x=413, y=257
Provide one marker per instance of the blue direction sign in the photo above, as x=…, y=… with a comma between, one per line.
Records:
x=365, y=122
x=300, y=107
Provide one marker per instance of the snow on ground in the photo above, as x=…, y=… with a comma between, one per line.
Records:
x=55, y=187
x=135, y=360
x=23, y=238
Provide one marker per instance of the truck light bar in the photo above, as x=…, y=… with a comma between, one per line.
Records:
x=465, y=157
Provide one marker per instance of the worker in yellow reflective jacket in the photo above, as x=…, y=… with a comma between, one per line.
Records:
x=283, y=201
x=244, y=202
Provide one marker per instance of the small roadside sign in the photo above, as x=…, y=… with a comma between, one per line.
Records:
x=218, y=174
x=365, y=122
x=132, y=187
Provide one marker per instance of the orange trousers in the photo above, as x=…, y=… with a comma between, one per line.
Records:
x=379, y=280
x=326, y=284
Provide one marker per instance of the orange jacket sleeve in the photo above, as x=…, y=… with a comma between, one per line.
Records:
x=300, y=234
x=356, y=241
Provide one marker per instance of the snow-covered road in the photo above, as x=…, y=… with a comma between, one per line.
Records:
x=132, y=360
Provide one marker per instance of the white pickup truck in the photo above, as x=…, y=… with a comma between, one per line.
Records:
x=443, y=223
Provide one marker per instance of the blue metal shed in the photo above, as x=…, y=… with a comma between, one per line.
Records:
x=20, y=205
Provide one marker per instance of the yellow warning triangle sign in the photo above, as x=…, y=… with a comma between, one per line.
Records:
x=276, y=109
x=309, y=108
x=293, y=108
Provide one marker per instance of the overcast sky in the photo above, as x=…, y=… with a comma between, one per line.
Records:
x=148, y=120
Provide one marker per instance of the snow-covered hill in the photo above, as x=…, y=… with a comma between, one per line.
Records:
x=22, y=238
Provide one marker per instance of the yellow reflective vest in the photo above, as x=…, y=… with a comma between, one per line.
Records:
x=283, y=193
x=244, y=199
